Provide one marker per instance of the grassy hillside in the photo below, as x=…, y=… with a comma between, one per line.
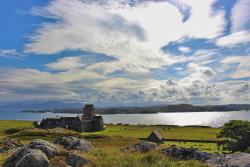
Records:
x=109, y=142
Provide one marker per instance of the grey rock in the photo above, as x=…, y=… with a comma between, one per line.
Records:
x=186, y=153
x=25, y=157
x=229, y=160
x=46, y=147
x=75, y=160
x=143, y=146
x=66, y=141
x=213, y=160
x=73, y=143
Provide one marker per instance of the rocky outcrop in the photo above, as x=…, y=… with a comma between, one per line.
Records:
x=186, y=153
x=11, y=145
x=213, y=160
x=39, y=152
x=46, y=147
x=73, y=143
x=26, y=157
x=75, y=160
x=229, y=160
x=143, y=146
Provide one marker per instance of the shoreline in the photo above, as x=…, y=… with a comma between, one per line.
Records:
x=146, y=125
x=134, y=112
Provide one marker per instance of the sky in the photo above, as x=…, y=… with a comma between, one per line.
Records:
x=64, y=53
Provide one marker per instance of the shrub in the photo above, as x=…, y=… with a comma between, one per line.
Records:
x=237, y=134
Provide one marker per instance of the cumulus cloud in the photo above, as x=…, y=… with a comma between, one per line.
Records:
x=121, y=31
x=130, y=35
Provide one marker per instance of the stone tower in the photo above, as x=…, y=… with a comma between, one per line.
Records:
x=88, y=112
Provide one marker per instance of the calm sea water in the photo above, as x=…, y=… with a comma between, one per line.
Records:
x=214, y=119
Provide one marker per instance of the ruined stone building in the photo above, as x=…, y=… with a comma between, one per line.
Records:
x=156, y=137
x=88, y=122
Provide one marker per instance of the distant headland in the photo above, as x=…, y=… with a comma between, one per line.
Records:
x=148, y=110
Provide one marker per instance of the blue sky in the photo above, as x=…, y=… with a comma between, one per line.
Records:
x=123, y=52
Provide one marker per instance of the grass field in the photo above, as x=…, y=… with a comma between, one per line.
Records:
x=109, y=142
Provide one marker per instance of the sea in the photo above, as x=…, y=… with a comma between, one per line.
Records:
x=213, y=119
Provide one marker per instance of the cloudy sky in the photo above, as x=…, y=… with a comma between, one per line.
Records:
x=124, y=52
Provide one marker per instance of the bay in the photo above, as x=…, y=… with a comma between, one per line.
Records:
x=214, y=119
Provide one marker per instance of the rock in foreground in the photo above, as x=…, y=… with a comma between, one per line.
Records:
x=229, y=160
x=75, y=160
x=143, y=146
x=213, y=160
x=11, y=145
x=73, y=143
x=25, y=157
x=46, y=147
x=186, y=153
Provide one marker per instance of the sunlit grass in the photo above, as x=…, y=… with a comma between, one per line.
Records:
x=113, y=157
x=108, y=143
x=142, y=131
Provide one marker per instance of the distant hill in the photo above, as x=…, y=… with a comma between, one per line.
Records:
x=153, y=109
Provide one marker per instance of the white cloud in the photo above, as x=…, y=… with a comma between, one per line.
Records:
x=184, y=49
x=234, y=38
x=240, y=21
x=33, y=76
x=240, y=16
x=9, y=53
x=122, y=31
x=31, y=84
x=243, y=68
x=133, y=37
x=66, y=63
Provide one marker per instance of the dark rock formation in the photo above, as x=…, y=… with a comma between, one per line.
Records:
x=186, y=153
x=73, y=143
x=75, y=160
x=25, y=157
x=46, y=147
x=143, y=146
x=213, y=160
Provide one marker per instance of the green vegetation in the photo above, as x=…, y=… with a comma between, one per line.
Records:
x=237, y=133
x=206, y=147
x=109, y=142
x=169, y=132
x=112, y=157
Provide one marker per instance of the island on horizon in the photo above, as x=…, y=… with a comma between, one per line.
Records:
x=149, y=110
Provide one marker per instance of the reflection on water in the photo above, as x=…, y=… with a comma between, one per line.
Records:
x=214, y=119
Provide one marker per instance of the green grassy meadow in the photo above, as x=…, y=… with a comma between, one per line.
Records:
x=109, y=142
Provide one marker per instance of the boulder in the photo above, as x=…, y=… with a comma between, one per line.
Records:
x=213, y=160
x=66, y=141
x=229, y=160
x=143, y=146
x=186, y=153
x=25, y=157
x=75, y=160
x=11, y=145
x=73, y=143
x=46, y=147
